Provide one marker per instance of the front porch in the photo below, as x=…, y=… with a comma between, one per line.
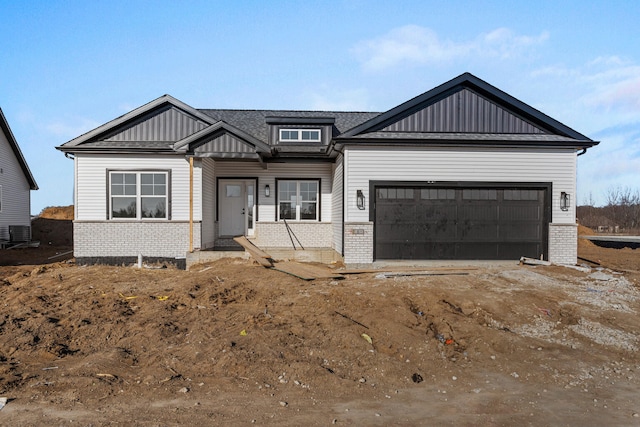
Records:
x=321, y=255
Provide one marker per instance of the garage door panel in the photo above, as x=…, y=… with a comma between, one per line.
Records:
x=475, y=231
x=443, y=229
x=479, y=211
x=398, y=232
x=459, y=223
x=520, y=212
x=434, y=250
x=477, y=250
x=521, y=232
x=517, y=250
x=392, y=213
x=435, y=212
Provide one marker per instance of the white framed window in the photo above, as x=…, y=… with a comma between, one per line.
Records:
x=298, y=200
x=299, y=135
x=138, y=195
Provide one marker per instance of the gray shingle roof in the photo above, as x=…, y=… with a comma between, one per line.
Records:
x=454, y=136
x=4, y=128
x=254, y=121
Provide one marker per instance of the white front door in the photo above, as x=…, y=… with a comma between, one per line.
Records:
x=232, y=208
x=236, y=207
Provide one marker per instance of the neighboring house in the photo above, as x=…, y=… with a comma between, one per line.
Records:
x=463, y=171
x=16, y=183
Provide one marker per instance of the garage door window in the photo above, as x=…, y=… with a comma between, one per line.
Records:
x=395, y=193
x=520, y=194
x=438, y=194
x=479, y=194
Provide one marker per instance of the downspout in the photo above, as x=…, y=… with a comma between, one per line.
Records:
x=584, y=150
x=190, y=204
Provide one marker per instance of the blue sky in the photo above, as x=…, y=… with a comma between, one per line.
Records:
x=69, y=66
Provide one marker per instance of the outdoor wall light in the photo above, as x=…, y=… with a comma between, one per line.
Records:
x=360, y=200
x=564, y=201
x=267, y=190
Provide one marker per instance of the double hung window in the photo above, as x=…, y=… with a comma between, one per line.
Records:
x=298, y=200
x=138, y=195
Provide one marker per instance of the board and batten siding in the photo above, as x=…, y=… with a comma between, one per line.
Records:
x=268, y=176
x=91, y=183
x=15, y=191
x=337, y=210
x=451, y=165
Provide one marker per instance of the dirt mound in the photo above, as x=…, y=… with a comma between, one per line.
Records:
x=585, y=231
x=233, y=343
x=57, y=212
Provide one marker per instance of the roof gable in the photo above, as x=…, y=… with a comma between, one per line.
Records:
x=223, y=140
x=465, y=104
x=464, y=111
x=165, y=124
x=13, y=144
x=156, y=125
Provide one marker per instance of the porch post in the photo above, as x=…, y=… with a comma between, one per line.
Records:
x=190, y=204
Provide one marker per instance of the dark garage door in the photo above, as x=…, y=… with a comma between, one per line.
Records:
x=413, y=222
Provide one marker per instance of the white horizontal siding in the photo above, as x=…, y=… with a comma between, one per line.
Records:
x=268, y=176
x=15, y=193
x=500, y=165
x=336, y=209
x=92, y=191
x=208, y=201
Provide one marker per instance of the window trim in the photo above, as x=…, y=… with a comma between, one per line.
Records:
x=138, y=195
x=318, y=181
x=299, y=130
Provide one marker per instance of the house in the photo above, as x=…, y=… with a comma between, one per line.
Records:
x=16, y=183
x=463, y=171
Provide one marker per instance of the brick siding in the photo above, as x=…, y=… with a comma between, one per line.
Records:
x=358, y=242
x=155, y=239
x=310, y=234
x=563, y=243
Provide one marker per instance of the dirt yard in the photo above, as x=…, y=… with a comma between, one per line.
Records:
x=232, y=343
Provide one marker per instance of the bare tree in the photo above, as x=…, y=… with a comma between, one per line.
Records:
x=623, y=207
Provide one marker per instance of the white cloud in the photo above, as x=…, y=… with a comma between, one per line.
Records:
x=617, y=89
x=416, y=45
x=602, y=99
x=504, y=43
x=613, y=163
x=602, y=93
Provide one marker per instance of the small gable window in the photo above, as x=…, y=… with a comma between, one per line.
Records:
x=299, y=135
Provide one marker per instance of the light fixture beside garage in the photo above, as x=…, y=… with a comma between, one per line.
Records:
x=564, y=201
x=360, y=199
x=267, y=191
